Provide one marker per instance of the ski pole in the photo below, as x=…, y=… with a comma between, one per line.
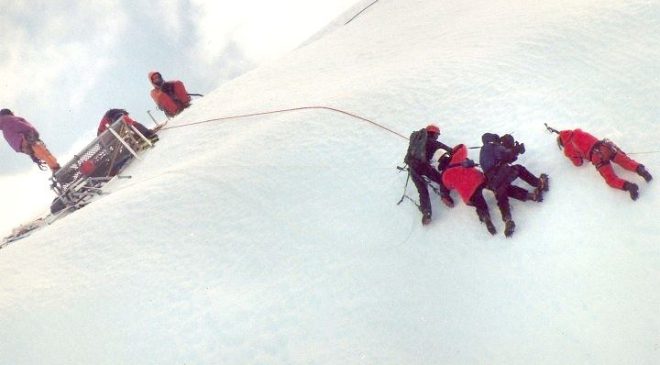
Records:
x=405, y=186
x=152, y=117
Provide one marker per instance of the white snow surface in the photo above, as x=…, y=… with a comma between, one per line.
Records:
x=276, y=239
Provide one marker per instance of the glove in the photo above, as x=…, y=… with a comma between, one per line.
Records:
x=519, y=148
x=468, y=163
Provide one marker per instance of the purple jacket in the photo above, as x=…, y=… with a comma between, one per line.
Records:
x=14, y=128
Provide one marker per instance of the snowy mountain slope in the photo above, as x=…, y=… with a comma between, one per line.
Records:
x=276, y=239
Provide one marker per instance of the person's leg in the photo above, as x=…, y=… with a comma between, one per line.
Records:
x=626, y=162
x=607, y=172
x=477, y=200
x=502, y=198
x=424, y=199
x=42, y=153
x=518, y=193
x=435, y=176
x=143, y=130
x=527, y=176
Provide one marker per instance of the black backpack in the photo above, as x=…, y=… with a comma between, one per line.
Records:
x=417, y=147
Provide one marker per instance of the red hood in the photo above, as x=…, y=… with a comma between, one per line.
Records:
x=151, y=74
x=459, y=153
x=565, y=136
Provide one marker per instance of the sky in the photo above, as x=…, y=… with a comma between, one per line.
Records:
x=276, y=239
x=64, y=63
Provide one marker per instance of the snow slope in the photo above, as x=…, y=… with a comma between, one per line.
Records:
x=277, y=239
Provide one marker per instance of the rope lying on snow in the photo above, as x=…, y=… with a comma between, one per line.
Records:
x=285, y=111
x=321, y=107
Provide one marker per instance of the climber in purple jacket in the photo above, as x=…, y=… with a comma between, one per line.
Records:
x=24, y=138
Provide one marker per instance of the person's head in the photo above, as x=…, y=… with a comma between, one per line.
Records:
x=490, y=138
x=563, y=138
x=156, y=78
x=507, y=141
x=6, y=111
x=433, y=131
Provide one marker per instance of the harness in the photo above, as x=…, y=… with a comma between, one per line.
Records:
x=30, y=139
x=603, y=152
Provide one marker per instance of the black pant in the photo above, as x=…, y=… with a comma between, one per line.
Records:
x=417, y=173
x=499, y=181
x=144, y=130
x=477, y=200
x=526, y=176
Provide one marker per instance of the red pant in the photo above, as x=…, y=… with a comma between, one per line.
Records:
x=602, y=157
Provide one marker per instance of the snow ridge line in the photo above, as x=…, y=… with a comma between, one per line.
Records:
x=285, y=111
x=361, y=11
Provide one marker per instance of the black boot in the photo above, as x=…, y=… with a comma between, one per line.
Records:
x=536, y=195
x=632, y=189
x=447, y=200
x=544, y=184
x=484, y=217
x=641, y=171
x=489, y=226
x=426, y=217
x=509, y=227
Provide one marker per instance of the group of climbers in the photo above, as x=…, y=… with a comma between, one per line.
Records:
x=170, y=96
x=455, y=171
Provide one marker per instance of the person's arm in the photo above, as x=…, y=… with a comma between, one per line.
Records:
x=573, y=155
x=436, y=145
x=576, y=160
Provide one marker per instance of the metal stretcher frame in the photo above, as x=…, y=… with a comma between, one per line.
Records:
x=96, y=164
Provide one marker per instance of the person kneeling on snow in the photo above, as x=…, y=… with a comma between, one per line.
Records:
x=423, y=145
x=113, y=115
x=579, y=145
x=23, y=137
x=171, y=97
x=460, y=173
x=495, y=158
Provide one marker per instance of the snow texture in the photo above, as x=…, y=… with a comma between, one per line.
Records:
x=276, y=239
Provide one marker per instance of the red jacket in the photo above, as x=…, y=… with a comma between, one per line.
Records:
x=110, y=117
x=465, y=180
x=171, y=96
x=577, y=145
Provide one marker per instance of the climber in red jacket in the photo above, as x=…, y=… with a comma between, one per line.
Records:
x=579, y=145
x=170, y=96
x=460, y=173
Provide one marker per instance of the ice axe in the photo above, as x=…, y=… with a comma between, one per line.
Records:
x=550, y=129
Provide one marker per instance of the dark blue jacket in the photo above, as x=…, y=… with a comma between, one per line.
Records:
x=493, y=154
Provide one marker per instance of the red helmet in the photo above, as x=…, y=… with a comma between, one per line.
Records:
x=432, y=128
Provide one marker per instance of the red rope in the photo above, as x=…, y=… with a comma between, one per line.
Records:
x=284, y=111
